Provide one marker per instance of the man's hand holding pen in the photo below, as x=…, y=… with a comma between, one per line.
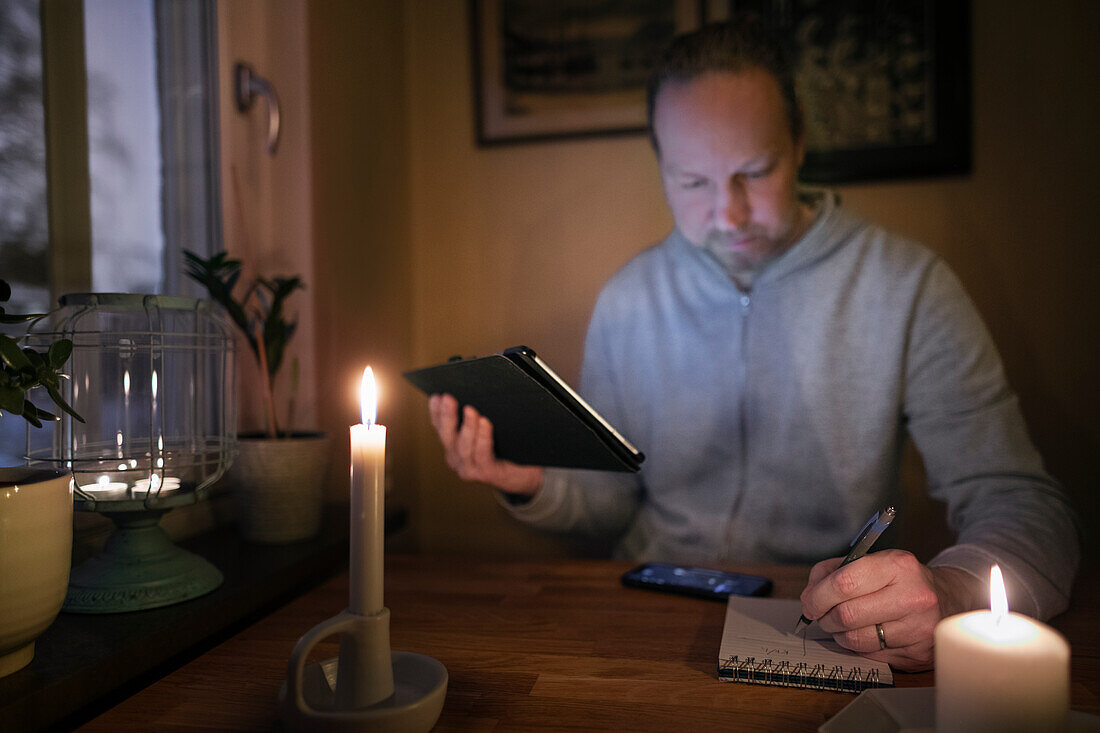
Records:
x=886, y=605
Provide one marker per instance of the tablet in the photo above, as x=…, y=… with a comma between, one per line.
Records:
x=538, y=419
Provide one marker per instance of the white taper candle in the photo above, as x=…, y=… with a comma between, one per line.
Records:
x=368, y=483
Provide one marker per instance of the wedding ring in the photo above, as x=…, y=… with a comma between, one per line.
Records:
x=881, y=636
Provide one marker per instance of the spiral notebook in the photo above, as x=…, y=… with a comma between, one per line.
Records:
x=759, y=648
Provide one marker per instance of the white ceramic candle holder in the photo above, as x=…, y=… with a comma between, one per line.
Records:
x=367, y=687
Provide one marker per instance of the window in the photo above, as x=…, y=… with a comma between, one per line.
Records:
x=149, y=71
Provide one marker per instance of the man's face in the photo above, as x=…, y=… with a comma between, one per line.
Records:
x=729, y=166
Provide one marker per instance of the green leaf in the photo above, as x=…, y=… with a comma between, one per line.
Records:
x=236, y=312
x=262, y=302
x=12, y=355
x=24, y=368
x=59, y=353
x=30, y=414
x=45, y=415
x=11, y=399
x=34, y=358
x=58, y=400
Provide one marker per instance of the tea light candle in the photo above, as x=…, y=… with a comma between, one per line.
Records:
x=167, y=485
x=104, y=488
x=1000, y=671
x=368, y=460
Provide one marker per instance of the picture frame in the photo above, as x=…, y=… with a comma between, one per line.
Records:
x=884, y=86
x=568, y=68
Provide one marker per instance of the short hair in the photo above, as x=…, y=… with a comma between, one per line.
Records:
x=735, y=46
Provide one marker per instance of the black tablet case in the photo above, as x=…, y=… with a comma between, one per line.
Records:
x=531, y=425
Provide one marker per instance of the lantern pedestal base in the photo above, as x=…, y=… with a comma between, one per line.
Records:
x=138, y=569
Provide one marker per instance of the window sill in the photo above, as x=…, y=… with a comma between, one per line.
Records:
x=85, y=664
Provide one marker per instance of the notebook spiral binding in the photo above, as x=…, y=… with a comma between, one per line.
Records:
x=785, y=674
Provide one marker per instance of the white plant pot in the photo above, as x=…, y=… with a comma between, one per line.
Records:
x=278, y=487
x=36, y=544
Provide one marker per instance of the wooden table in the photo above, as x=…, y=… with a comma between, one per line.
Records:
x=537, y=645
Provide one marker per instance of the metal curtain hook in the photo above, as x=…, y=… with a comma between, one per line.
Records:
x=248, y=86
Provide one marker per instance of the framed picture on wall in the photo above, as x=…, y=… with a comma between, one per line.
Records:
x=548, y=69
x=884, y=85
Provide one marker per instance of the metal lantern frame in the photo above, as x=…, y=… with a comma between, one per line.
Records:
x=153, y=378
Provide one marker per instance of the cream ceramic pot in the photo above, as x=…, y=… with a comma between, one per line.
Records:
x=36, y=541
x=278, y=486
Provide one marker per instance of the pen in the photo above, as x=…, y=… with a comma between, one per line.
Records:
x=875, y=526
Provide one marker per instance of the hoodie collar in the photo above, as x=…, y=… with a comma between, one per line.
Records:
x=830, y=228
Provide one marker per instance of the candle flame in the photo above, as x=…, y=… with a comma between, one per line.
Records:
x=998, y=599
x=368, y=398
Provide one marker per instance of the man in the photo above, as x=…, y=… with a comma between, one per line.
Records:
x=769, y=357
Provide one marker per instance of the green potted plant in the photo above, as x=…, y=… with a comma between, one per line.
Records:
x=276, y=477
x=36, y=505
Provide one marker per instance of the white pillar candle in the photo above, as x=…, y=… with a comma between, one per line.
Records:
x=368, y=461
x=1000, y=671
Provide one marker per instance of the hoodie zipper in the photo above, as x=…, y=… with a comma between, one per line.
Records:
x=745, y=302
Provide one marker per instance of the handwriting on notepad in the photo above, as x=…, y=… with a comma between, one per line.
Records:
x=757, y=646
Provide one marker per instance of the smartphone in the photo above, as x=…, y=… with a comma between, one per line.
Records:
x=700, y=582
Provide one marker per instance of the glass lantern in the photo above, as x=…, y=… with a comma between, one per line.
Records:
x=152, y=376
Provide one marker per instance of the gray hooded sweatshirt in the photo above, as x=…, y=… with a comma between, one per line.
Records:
x=773, y=421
